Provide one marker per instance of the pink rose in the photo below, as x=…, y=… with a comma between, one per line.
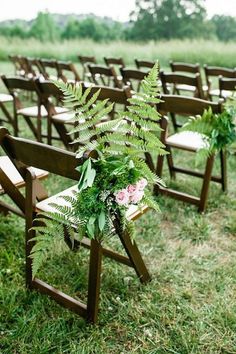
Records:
x=131, y=189
x=122, y=197
x=142, y=183
x=136, y=197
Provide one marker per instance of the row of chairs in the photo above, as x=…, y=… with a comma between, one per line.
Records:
x=183, y=78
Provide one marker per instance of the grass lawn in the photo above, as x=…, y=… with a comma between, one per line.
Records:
x=189, y=307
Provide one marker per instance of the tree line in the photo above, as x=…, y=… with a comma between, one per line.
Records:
x=151, y=20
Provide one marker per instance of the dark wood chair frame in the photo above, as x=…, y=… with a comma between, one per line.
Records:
x=65, y=67
x=217, y=71
x=85, y=61
x=176, y=79
x=140, y=64
x=103, y=75
x=46, y=64
x=190, y=107
x=14, y=85
x=132, y=75
x=110, y=61
x=25, y=153
x=226, y=84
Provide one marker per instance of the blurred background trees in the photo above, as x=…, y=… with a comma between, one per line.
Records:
x=151, y=20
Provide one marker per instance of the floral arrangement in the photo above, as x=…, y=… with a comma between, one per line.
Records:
x=219, y=129
x=115, y=176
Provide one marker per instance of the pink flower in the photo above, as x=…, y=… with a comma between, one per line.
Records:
x=141, y=184
x=122, y=197
x=131, y=189
x=136, y=197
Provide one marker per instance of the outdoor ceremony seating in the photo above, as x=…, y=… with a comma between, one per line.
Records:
x=26, y=154
x=109, y=61
x=102, y=75
x=132, y=77
x=181, y=67
x=227, y=87
x=190, y=142
x=144, y=64
x=214, y=72
x=10, y=182
x=66, y=71
x=49, y=68
x=84, y=61
x=169, y=83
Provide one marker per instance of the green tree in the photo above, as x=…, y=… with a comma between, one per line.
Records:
x=157, y=19
x=225, y=27
x=44, y=28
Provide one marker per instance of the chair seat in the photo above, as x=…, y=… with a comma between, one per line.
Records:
x=224, y=93
x=64, y=118
x=5, y=98
x=9, y=169
x=44, y=206
x=187, y=140
x=33, y=111
x=190, y=88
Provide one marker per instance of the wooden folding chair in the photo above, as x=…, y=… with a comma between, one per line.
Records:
x=169, y=83
x=10, y=182
x=181, y=67
x=16, y=61
x=36, y=112
x=110, y=61
x=144, y=64
x=24, y=153
x=214, y=72
x=49, y=69
x=192, y=142
x=84, y=61
x=35, y=69
x=67, y=71
x=227, y=87
x=106, y=76
x=132, y=78
x=6, y=99
x=50, y=97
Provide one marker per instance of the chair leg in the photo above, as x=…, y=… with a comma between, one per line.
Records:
x=170, y=163
x=206, y=183
x=223, y=167
x=94, y=280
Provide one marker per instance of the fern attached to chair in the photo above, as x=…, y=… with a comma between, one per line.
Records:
x=117, y=177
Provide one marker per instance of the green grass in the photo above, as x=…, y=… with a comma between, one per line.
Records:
x=202, y=51
x=189, y=307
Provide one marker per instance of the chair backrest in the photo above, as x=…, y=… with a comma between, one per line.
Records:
x=185, y=67
x=132, y=77
x=69, y=68
x=226, y=84
x=174, y=79
x=188, y=106
x=34, y=67
x=140, y=64
x=216, y=71
x=48, y=66
x=84, y=61
x=114, y=61
x=16, y=60
x=104, y=75
x=47, y=91
x=24, y=153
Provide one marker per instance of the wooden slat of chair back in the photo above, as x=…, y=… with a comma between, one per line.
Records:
x=184, y=105
x=185, y=67
x=131, y=75
x=45, y=64
x=114, y=61
x=226, y=84
x=144, y=63
x=68, y=67
x=106, y=75
x=17, y=83
x=218, y=70
x=175, y=79
x=30, y=153
x=114, y=94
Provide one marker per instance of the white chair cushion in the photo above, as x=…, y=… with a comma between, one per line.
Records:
x=132, y=213
x=187, y=140
x=32, y=111
x=5, y=98
x=9, y=169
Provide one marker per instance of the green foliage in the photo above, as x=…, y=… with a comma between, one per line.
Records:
x=219, y=129
x=116, y=176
